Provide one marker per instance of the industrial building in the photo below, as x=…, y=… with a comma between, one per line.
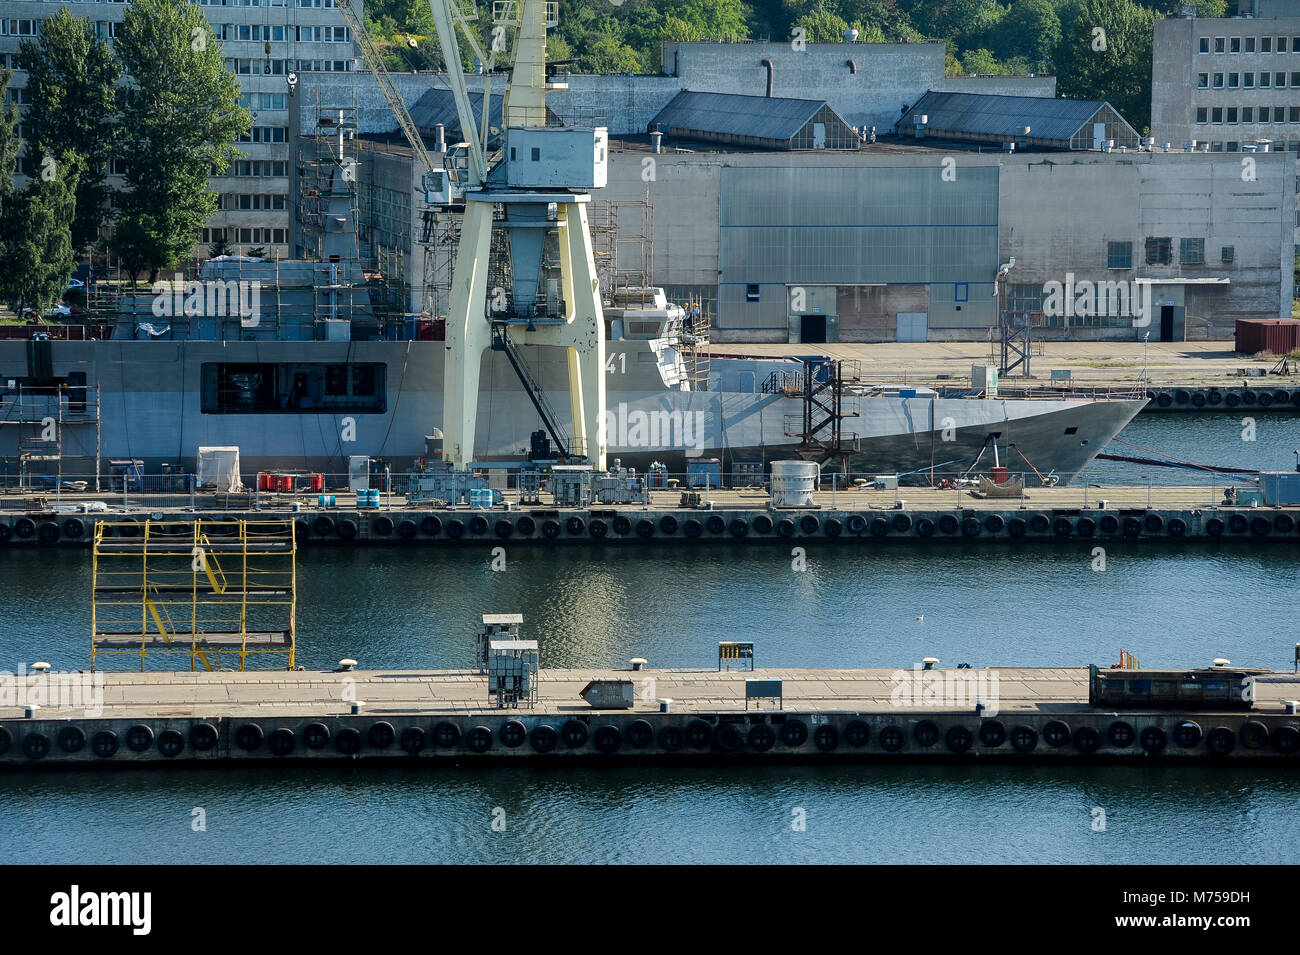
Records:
x=1229, y=84
x=1018, y=121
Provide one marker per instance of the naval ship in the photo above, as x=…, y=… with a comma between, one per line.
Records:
x=166, y=390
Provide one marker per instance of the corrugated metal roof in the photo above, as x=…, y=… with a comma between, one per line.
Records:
x=439, y=106
x=986, y=114
x=730, y=114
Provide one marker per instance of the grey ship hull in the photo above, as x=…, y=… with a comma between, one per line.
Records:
x=154, y=407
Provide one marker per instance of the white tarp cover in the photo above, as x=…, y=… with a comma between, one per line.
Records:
x=218, y=468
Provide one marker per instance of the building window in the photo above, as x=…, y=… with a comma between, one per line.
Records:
x=751, y=293
x=1234, y=45
x=1248, y=114
x=1202, y=114
x=1219, y=44
x=1160, y=250
x=1264, y=78
x=1205, y=44
x=1279, y=114
x=1218, y=81
x=1266, y=44
x=1216, y=114
x=1295, y=44
x=1250, y=44
x=1203, y=81
x=1248, y=80
x=1279, y=79
x=1024, y=298
x=1282, y=44
x=1232, y=114
x=1119, y=255
x=1295, y=114
x=1263, y=114
x=1232, y=146
x=1234, y=81
x=293, y=387
x=1227, y=253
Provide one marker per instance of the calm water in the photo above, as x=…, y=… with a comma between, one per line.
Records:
x=854, y=606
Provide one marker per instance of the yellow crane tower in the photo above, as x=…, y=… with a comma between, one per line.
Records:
x=542, y=168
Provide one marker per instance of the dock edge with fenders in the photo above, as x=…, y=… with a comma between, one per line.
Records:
x=448, y=717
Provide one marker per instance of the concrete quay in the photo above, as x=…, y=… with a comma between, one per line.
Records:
x=1029, y=714
x=913, y=514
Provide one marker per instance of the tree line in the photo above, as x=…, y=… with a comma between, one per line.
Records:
x=159, y=104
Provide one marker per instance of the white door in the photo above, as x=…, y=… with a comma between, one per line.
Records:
x=1098, y=135
x=912, y=326
x=819, y=135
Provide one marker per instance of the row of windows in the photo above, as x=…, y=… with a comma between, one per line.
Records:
x=20, y=27
x=1247, y=114
x=265, y=3
x=251, y=67
x=247, y=200
x=245, y=236
x=1232, y=146
x=266, y=134
x=1250, y=44
x=1246, y=81
x=1160, y=250
x=264, y=100
x=259, y=168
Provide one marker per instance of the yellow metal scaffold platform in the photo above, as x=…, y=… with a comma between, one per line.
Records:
x=216, y=590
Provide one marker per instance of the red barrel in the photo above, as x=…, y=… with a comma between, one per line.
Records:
x=263, y=481
x=286, y=482
x=318, y=482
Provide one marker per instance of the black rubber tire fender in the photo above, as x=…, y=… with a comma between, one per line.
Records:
x=794, y=733
x=281, y=742
x=140, y=737
x=71, y=739
x=992, y=733
x=761, y=737
x=544, y=738
x=926, y=732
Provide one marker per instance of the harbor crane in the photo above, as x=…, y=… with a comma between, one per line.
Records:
x=542, y=184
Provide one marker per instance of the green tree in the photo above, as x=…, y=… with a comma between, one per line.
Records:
x=1105, y=53
x=218, y=246
x=1031, y=30
x=955, y=19
x=9, y=145
x=179, y=119
x=71, y=76
x=822, y=26
x=39, y=256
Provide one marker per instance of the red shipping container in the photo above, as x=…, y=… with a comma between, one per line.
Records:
x=1277, y=336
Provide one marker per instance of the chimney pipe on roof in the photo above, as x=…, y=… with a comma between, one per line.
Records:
x=771, y=77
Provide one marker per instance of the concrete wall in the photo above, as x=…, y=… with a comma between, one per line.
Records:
x=1177, y=65
x=624, y=104
x=889, y=75
x=1044, y=86
x=1057, y=212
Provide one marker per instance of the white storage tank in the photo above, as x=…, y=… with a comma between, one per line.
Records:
x=793, y=483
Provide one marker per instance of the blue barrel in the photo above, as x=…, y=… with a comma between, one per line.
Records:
x=480, y=497
x=363, y=498
x=372, y=497
x=325, y=500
